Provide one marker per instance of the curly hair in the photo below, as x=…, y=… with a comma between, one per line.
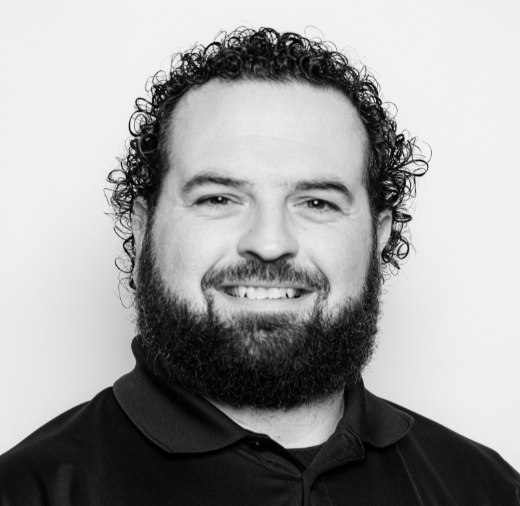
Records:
x=393, y=162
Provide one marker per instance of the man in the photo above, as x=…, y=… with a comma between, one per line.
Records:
x=262, y=202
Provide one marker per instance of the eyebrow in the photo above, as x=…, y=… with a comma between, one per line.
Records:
x=307, y=185
x=212, y=178
x=327, y=185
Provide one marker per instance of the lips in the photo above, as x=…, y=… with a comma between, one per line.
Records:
x=261, y=293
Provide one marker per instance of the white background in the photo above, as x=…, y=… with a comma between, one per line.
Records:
x=70, y=72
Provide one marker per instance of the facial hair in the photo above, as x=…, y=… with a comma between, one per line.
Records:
x=266, y=361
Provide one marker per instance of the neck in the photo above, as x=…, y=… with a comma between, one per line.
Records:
x=305, y=426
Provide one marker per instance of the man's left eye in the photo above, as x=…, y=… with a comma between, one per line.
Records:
x=320, y=205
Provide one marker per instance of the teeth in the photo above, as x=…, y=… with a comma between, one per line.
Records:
x=274, y=293
x=260, y=293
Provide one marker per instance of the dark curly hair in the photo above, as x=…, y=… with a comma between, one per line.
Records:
x=394, y=160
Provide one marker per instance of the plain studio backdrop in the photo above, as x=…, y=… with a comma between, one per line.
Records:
x=70, y=72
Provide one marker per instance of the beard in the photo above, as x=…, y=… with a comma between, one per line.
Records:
x=263, y=361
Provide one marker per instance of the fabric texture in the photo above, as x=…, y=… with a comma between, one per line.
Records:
x=145, y=441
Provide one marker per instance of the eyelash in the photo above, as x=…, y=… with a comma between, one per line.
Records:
x=208, y=201
x=329, y=204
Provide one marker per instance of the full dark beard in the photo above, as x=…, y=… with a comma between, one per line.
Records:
x=266, y=361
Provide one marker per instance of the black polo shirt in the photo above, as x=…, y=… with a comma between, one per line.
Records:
x=146, y=442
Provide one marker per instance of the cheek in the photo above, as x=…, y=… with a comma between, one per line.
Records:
x=344, y=259
x=185, y=253
x=356, y=266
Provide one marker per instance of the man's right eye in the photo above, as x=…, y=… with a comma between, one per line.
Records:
x=216, y=201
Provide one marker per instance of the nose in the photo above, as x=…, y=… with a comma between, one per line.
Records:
x=269, y=236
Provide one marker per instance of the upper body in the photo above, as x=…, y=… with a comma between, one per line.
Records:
x=261, y=202
x=146, y=441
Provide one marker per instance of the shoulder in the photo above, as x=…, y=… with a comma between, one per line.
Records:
x=436, y=439
x=435, y=453
x=55, y=452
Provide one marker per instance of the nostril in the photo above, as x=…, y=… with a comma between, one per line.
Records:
x=263, y=243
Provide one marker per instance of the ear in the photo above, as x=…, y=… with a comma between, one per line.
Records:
x=384, y=229
x=139, y=223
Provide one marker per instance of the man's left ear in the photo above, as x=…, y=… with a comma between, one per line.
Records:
x=384, y=229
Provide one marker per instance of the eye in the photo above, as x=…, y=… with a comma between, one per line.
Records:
x=216, y=201
x=320, y=205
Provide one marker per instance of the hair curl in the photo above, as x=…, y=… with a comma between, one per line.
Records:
x=394, y=160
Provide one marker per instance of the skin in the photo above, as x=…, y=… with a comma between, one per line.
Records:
x=272, y=137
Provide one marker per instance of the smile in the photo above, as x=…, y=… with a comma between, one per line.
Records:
x=261, y=293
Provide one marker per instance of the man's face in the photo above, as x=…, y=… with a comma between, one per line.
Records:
x=265, y=183
x=282, y=142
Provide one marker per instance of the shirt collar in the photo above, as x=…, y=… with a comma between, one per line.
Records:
x=182, y=423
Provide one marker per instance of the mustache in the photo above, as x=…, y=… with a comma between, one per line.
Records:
x=279, y=271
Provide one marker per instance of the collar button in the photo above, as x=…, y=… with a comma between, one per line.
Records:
x=256, y=444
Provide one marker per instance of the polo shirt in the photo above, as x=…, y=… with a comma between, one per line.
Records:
x=146, y=441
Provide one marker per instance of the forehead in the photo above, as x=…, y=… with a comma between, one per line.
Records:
x=267, y=131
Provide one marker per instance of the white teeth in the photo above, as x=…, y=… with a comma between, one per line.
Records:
x=274, y=293
x=261, y=293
